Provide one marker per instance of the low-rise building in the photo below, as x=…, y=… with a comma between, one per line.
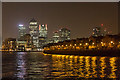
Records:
x=25, y=43
x=9, y=44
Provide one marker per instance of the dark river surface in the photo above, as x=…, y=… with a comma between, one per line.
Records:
x=36, y=65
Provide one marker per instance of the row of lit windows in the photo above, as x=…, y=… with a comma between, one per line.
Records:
x=33, y=23
x=21, y=28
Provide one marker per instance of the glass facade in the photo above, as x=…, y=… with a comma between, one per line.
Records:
x=42, y=35
x=56, y=37
x=34, y=32
x=22, y=31
x=64, y=34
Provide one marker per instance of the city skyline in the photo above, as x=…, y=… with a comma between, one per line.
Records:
x=60, y=40
x=75, y=16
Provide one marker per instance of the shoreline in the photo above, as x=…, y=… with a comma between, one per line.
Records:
x=87, y=52
x=79, y=52
x=21, y=51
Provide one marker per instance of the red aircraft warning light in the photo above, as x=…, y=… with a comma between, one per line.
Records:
x=102, y=25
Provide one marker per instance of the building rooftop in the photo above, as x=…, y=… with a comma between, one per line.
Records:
x=63, y=29
x=33, y=20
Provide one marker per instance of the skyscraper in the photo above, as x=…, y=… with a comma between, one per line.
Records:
x=20, y=41
x=42, y=35
x=22, y=31
x=56, y=37
x=64, y=34
x=33, y=26
x=43, y=30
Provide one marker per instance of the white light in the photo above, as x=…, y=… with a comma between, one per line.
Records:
x=20, y=25
x=111, y=41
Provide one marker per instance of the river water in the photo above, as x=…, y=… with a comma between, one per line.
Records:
x=37, y=65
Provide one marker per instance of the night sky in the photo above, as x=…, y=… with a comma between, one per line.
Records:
x=80, y=17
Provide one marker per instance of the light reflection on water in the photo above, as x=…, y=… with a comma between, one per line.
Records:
x=21, y=65
x=38, y=65
x=113, y=67
x=102, y=67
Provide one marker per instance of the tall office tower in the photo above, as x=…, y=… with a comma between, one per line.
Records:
x=43, y=30
x=56, y=37
x=33, y=26
x=64, y=34
x=97, y=31
x=22, y=31
x=42, y=35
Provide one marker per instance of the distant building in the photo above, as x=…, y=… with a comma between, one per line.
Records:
x=43, y=30
x=96, y=31
x=64, y=34
x=9, y=44
x=111, y=40
x=25, y=43
x=29, y=44
x=95, y=42
x=50, y=40
x=34, y=32
x=56, y=37
x=21, y=45
x=42, y=35
x=22, y=31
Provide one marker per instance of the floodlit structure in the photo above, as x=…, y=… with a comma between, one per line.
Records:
x=9, y=44
x=33, y=26
x=56, y=37
x=42, y=35
x=64, y=34
x=43, y=30
x=108, y=42
x=22, y=30
x=25, y=43
x=20, y=41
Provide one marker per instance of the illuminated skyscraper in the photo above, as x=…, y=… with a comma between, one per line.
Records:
x=22, y=31
x=64, y=34
x=42, y=35
x=43, y=30
x=34, y=32
x=56, y=37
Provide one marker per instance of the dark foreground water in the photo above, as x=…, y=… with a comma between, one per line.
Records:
x=36, y=65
